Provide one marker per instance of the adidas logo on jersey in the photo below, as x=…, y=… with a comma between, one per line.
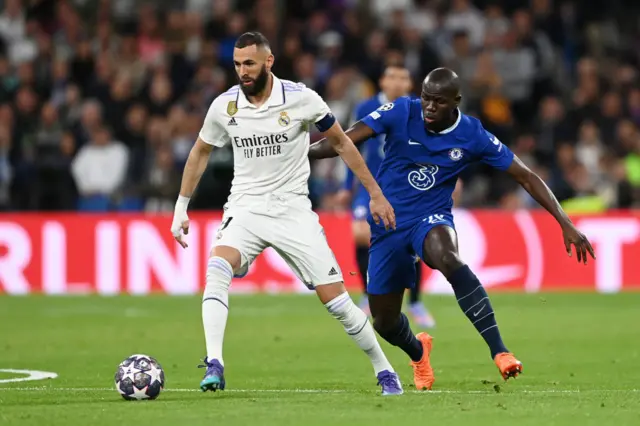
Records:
x=232, y=122
x=333, y=272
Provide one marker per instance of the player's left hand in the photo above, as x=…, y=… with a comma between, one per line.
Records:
x=381, y=210
x=572, y=236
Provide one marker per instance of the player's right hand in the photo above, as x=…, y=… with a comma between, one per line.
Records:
x=180, y=224
x=381, y=210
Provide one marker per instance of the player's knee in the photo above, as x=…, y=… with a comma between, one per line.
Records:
x=328, y=292
x=230, y=254
x=219, y=275
x=385, y=325
x=448, y=262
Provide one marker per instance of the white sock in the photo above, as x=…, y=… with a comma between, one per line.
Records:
x=215, y=305
x=358, y=327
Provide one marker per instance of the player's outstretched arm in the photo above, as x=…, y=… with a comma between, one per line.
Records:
x=535, y=186
x=324, y=148
x=342, y=144
x=196, y=164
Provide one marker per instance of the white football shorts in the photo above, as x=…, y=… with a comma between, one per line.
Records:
x=251, y=223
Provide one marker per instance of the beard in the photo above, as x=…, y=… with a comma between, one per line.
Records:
x=259, y=83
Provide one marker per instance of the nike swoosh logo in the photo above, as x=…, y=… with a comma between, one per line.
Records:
x=475, y=314
x=414, y=143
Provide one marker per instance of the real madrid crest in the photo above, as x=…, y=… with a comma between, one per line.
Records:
x=455, y=154
x=232, y=107
x=284, y=119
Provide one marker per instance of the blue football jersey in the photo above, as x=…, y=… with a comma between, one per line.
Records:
x=372, y=149
x=419, y=171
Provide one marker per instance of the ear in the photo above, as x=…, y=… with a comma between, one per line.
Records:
x=458, y=100
x=270, y=60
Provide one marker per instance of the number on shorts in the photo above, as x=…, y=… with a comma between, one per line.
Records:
x=436, y=218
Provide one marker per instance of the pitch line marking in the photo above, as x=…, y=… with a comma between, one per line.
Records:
x=31, y=375
x=334, y=391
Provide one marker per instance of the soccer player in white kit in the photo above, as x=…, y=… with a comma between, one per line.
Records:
x=268, y=121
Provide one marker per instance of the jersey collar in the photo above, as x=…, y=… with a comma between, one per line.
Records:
x=449, y=129
x=277, y=97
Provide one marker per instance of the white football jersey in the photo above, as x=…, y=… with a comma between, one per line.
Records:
x=270, y=142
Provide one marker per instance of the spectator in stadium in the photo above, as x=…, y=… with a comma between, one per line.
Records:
x=148, y=71
x=99, y=170
x=463, y=16
x=90, y=120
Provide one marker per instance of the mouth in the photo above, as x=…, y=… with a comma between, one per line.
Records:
x=429, y=118
x=247, y=82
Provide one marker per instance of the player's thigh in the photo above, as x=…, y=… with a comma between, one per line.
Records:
x=437, y=244
x=301, y=242
x=237, y=241
x=391, y=264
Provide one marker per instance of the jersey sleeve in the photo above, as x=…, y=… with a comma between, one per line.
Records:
x=317, y=111
x=212, y=132
x=493, y=152
x=361, y=111
x=381, y=120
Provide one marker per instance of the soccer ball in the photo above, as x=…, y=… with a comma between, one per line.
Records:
x=139, y=377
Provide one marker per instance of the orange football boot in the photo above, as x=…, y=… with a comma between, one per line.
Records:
x=508, y=365
x=422, y=372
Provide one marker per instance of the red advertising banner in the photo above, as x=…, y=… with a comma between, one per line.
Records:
x=120, y=253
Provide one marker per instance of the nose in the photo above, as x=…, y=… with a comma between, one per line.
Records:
x=431, y=106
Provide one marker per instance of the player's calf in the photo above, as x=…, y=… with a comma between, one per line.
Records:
x=356, y=324
x=392, y=325
x=215, y=310
x=474, y=302
x=397, y=332
x=215, y=305
x=441, y=250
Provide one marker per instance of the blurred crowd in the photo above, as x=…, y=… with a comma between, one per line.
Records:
x=101, y=100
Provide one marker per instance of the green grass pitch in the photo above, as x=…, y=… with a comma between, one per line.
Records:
x=289, y=363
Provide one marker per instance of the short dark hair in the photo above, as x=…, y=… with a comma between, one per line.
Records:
x=395, y=65
x=252, y=38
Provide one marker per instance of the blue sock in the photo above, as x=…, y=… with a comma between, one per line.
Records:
x=401, y=336
x=474, y=302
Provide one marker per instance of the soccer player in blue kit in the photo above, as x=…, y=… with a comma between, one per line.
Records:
x=395, y=82
x=429, y=143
